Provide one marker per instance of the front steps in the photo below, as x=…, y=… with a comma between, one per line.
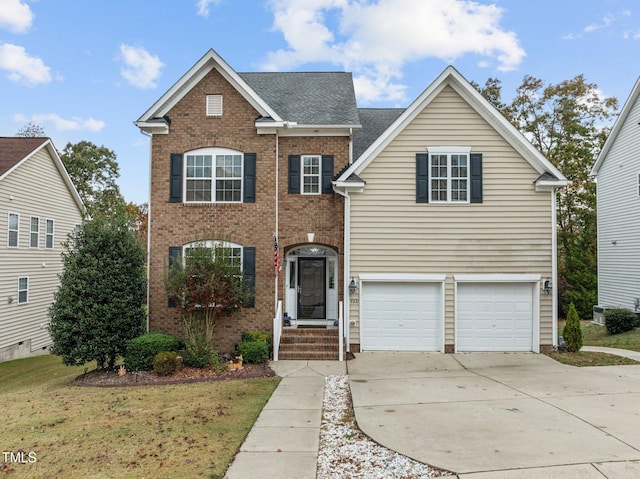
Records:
x=309, y=343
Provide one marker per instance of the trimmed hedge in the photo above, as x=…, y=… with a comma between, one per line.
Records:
x=143, y=349
x=257, y=336
x=166, y=363
x=253, y=351
x=619, y=320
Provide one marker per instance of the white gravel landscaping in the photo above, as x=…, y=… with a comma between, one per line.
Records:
x=346, y=452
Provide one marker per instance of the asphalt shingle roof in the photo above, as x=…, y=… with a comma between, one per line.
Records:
x=15, y=148
x=374, y=122
x=308, y=98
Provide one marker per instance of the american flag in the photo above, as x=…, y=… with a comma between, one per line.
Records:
x=276, y=255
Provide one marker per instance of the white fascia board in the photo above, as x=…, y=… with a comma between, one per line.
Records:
x=496, y=278
x=402, y=277
x=550, y=185
x=153, y=127
x=196, y=73
x=624, y=113
x=291, y=130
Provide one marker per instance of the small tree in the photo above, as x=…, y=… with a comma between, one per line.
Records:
x=572, y=332
x=208, y=284
x=99, y=305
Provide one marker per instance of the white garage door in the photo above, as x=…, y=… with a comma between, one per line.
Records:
x=401, y=316
x=494, y=317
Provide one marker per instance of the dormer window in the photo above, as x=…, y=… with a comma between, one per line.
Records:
x=214, y=105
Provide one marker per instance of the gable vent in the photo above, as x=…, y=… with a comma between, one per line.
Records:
x=214, y=105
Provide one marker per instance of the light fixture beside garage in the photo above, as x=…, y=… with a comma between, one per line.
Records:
x=352, y=286
x=547, y=286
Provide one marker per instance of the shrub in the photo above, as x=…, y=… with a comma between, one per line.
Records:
x=253, y=351
x=619, y=320
x=572, y=332
x=143, y=349
x=256, y=336
x=166, y=363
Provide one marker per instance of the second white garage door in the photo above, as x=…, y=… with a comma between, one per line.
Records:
x=494, y=317
x=401, y=316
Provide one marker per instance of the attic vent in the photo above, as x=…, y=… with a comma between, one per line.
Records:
x=214, y=105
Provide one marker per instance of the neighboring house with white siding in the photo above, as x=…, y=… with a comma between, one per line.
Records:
x=39, y=207
x=450, y=230
x=617, y=172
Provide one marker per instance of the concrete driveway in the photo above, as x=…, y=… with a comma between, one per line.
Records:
x=501, y=415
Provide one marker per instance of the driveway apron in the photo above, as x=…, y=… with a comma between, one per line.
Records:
x=488, y=412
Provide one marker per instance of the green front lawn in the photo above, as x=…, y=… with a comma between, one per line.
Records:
x=596, y=335
x=172, y=431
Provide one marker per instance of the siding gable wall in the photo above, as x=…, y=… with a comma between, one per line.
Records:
x=618, y=206
x=36, y=189
x=509, y=233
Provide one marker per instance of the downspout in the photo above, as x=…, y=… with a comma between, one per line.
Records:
x=150, y=136
x=554, y=269
x=277, y=214
x=347, y=264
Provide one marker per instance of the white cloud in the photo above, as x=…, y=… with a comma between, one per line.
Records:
x=376, y=38
x=606, y=21
x=21, y=66
x=141, y=69
x=62, y=124
x=15, y=16
x=203, y=6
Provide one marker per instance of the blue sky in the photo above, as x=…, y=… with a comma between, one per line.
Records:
x=86, y=70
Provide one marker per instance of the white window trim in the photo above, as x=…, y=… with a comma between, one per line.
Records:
x=303, y=176
x=52, y=234
x=212, y=244
x=450, y=150
x=23, y=290
x=16, y=230
x=31, y=232
x=213, y=152
x=213, y=105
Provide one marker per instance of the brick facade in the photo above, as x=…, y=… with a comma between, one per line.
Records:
x=249, y=224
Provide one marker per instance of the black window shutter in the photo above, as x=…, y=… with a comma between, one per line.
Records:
x=327, y=173
x=294, y=174
x=249, y=270
x=249, y=195
x=175, y=253
x=476, y=178
x=422, y=178
x=175, y=186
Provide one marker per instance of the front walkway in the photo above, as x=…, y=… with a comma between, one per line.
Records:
x=284, y=441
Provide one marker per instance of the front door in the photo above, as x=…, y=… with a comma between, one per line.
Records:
x=311, y=288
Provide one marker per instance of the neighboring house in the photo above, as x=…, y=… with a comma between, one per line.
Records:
x=39, y=207
x=617, y=172
x=436, y=224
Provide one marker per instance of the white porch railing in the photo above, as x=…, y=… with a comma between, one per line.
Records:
x=277, y=330
x=340, y=332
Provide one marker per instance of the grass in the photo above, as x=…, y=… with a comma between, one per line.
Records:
x=596, y=335
x=173, y=431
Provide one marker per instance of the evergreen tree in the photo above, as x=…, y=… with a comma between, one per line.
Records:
x=572, y=332
x=99, y=305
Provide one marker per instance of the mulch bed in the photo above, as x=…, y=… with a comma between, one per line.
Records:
x=107, y=378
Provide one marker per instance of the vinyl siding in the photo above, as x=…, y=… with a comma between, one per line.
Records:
x=618, y=211
x=35, y=188
x=509, y=233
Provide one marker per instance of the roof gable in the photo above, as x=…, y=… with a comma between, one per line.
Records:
x=14, y=151
x=624, y=114
x=452, y=78
x=211, y=60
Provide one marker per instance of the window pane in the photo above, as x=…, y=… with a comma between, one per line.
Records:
x=23, y=290
x=13, y=221
x=13, y=238
x=198, y=190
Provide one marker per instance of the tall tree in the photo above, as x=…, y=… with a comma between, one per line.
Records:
x=98, y=307
x=94, y=171
x=31, y=130
x=566, y=122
